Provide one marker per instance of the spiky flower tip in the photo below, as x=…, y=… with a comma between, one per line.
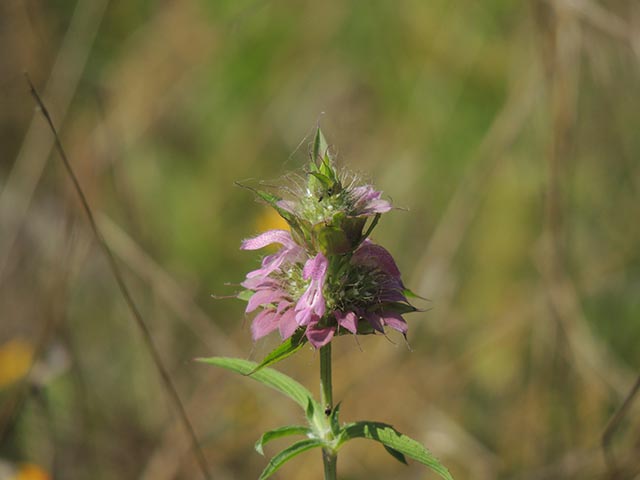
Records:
x=327, y=278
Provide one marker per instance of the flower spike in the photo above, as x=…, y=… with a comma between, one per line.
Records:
x=327, y=278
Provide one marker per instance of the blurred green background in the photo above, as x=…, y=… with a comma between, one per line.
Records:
x=507, y=132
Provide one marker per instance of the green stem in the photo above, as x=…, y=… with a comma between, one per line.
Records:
x=330, y=463
x=326, y=391
x=329, y=457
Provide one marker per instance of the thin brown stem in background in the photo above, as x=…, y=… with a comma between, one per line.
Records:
x=146, y=335
x=614, y=423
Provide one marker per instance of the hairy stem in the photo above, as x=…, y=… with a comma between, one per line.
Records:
x=329, y=457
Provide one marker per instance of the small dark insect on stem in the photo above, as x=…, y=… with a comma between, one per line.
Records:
x=137, y=316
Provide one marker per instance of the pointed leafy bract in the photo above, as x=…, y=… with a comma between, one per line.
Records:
x=327, y=171
x=409, y=294
x=397, y=307
x=325, y=181
x=279, y=433
x=372, y=225
x=272, y=378
x=322, y=174
x=270, y=198
x=273, y=200
x=352, y=227
x=330, y=240
x=245, y=295
x=287, y=454
x=396, y=441
x=287, y=348
x=320, y=147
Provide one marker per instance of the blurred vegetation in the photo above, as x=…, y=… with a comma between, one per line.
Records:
x=508, y=130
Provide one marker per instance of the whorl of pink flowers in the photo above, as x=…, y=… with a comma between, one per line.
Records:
x=284, y=308
x=327, y=278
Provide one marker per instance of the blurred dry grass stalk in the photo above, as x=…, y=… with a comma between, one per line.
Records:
x=509, y=129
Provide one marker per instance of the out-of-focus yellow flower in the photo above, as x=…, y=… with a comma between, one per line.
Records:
x=29, y=471
x=23, y=471
x=270, y=220
x=16, y=356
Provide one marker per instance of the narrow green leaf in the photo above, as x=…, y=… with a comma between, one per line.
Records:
x=267, y=376
x=287, y=454
x=391, y=438
x=335, y=419
x=310, y=412
x=284, y=350
x=395, y=454
x=279, y=433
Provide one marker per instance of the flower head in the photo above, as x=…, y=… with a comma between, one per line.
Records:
x=327, y=278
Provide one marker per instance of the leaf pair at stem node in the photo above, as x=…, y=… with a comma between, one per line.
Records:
x=324, y=431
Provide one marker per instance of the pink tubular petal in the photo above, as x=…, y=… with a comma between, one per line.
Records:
x=269, y=260
x=311, y=303
x=363, y=195
x=283, y=305
x=304, y=316
x=367, y=201
x=270, y=264
x=259, y=283
x=274, y=262
x=263, y=297
x=362, y=192
x=378, y=206
x=347, y=320
x=267, y=238
x=395, y=321
x=316, y=268
x=288, y=324
x=264, y=323
x=321, y=336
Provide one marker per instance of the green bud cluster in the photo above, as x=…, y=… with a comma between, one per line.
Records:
x=324, y=215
